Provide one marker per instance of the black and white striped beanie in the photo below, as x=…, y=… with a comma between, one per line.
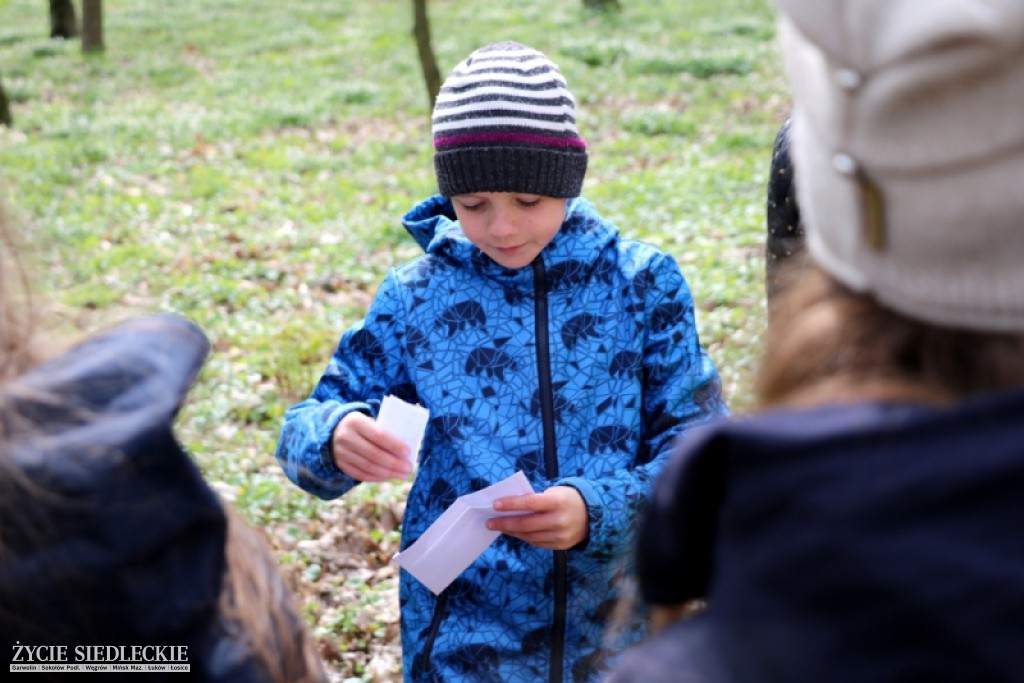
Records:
x=505, y=121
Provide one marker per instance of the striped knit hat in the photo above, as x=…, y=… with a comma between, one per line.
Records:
x=505, y=121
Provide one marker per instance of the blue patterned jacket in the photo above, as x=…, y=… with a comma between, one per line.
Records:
x=580, y=369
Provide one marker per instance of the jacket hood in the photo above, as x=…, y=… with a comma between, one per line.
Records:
x=114, y=538
x=907, y=459
x=576, y=247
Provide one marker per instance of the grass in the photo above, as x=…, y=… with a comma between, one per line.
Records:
x=245, y=164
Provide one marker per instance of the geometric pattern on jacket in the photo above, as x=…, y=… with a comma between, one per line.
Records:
x=580, y=370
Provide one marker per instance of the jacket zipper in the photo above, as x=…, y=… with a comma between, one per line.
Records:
x=435, y=626
x=540, y=298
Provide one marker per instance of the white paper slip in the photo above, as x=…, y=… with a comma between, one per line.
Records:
x=459, y=535
x=406, y=421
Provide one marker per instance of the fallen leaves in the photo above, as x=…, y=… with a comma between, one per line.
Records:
x=339, y=567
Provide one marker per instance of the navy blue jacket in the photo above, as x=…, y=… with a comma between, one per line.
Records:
x=109, y=534
x=872, y=542
x=580, y=370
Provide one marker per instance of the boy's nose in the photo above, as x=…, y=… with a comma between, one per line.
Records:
x=502, y=225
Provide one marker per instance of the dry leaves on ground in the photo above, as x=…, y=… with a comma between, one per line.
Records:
x=339, y=566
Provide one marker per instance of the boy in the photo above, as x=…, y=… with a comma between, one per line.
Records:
x=539, y=341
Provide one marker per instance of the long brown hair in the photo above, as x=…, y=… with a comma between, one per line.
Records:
x=16, y=310
x=828, y=343
x=256, y=607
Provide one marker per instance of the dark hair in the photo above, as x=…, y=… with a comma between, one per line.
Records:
x=784, y=241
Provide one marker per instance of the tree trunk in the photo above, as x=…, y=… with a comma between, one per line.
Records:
x=92, y=25
x=5, y=108
x=421, y=30
x=604, y=5
x=63, y=23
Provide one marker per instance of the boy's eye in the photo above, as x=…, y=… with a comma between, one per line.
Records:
x=472, y=207
x=528, y=201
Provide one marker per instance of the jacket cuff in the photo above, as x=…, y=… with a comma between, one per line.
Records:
x=325, y=469
x=599, y=542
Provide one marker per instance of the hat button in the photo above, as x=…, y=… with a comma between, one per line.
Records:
x=844, y=163
x=848, y=79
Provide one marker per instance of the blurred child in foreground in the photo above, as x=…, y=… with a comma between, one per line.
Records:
x=865, y=525
x=108, y=534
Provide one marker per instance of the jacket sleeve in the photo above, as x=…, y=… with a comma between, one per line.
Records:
x=367, y=364
x=681, y=389
x=676, y=536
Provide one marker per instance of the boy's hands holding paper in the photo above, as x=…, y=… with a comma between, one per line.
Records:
x=365, y=451
x=558, y=520
x=381, y=449
x=386, y=448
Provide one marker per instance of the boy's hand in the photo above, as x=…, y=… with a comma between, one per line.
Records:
x=364, y=451
x=558, y=522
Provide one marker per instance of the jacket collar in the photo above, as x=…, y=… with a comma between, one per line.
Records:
x=576, y=249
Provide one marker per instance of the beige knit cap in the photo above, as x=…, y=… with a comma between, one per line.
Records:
x=908, y=142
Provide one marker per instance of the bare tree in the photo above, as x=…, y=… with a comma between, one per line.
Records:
x=604, y=5
x=63, y=22
x=5, y=108
x=421, y=31
x=92, y=25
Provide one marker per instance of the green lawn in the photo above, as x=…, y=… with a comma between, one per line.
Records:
x=246, y=163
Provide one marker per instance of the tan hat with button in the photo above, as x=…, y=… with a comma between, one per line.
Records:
x=908, y=139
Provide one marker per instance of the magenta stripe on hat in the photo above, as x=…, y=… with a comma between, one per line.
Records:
x=506, y=137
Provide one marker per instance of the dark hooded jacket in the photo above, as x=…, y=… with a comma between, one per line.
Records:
x=109, y=535
x=580, y=370
x=872, y=542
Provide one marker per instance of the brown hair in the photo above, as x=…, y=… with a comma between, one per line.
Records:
x=828, y=343
x=16, y=312
x=256, y=608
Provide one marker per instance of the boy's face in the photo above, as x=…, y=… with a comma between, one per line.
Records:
x=509, y=227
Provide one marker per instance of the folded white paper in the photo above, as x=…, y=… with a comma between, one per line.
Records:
x=459, y=535
x=406, y=421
